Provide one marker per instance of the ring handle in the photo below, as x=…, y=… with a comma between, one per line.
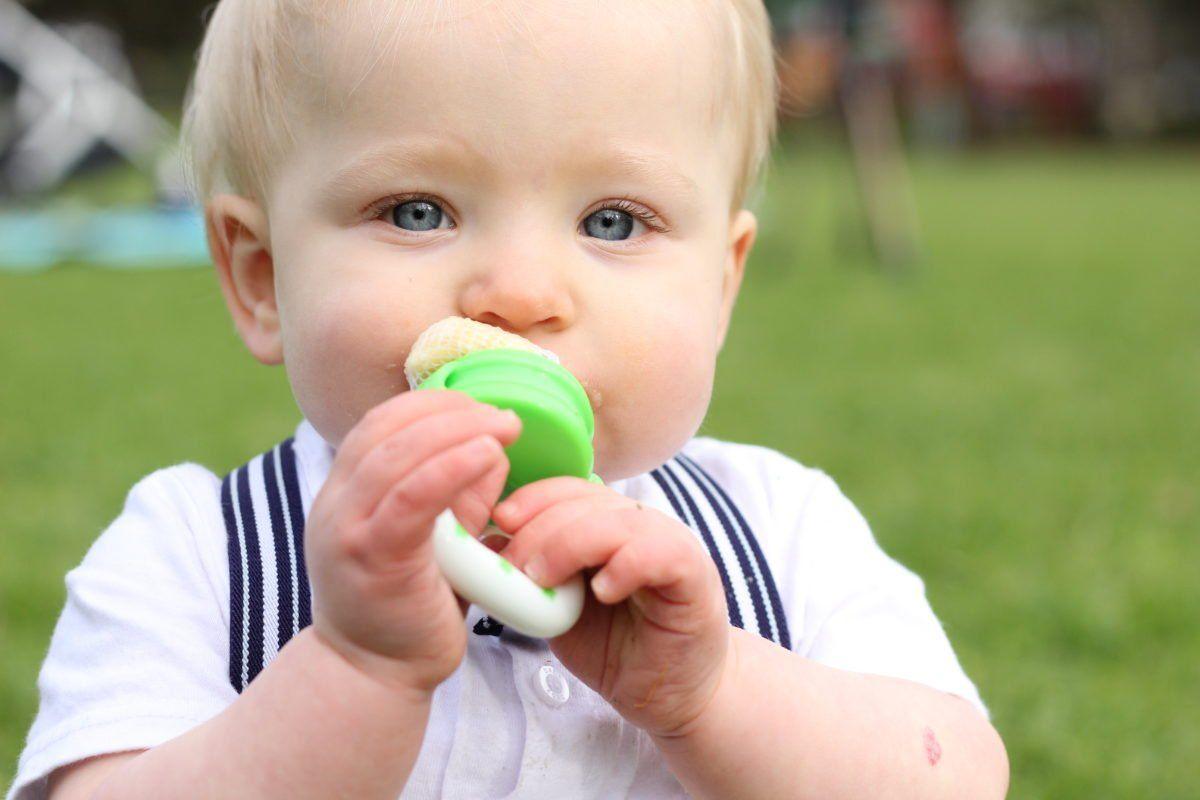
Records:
x=490, y=581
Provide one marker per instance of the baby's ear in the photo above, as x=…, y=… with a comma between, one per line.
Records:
x=743, y=228
x=240, y=245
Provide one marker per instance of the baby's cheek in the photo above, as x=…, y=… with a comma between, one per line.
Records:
x=656, y=401
x=342, y=359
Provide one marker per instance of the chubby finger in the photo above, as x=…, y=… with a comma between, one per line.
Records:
x=589, y=540
x=532, y=499
x=636, y=550
x=675, y=567
x=399, y=454
x=406, y=513
x=473, y=506
x=532, y=536
x=388, y=417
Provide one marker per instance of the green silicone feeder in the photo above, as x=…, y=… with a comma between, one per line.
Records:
x=556, y=417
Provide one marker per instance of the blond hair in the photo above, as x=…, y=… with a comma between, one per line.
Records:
x=241, y=97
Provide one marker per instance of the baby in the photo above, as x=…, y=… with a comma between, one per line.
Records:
x=574, y=173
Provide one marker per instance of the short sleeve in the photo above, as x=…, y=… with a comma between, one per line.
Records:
x=859, y=609
x=140, y=652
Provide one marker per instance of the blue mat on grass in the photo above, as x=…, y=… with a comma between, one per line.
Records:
x=114, y=238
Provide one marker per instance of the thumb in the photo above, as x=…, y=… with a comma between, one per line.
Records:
x=473, y=506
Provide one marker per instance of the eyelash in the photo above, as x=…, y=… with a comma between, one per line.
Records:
x=635, y=209
x=630, y=205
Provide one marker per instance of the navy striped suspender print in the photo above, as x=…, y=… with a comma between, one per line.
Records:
x=750, y=591
x=269, y=599
x=269, y=596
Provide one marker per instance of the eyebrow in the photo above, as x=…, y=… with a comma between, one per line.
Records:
x=649, y=169
x=638, y=166
x=360, y=174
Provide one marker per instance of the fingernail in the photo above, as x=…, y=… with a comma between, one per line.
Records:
x=536, y=568
x=601, y=585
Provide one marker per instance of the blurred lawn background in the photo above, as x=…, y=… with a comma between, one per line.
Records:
x=1019, y=419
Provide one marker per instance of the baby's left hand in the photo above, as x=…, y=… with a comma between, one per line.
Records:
x=657, y=643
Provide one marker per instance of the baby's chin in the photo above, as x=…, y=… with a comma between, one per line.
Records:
x=627, y=453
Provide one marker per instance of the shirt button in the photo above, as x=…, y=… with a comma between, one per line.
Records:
x=552, y=686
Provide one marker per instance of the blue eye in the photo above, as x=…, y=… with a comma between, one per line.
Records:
x=418, y=215
x=609, y=224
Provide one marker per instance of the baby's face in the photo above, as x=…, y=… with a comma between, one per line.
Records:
x=550, y=168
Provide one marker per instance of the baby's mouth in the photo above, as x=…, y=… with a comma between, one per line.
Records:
x=454, y=337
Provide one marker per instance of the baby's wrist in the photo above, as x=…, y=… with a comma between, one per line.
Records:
x=714, y=711
x=397, y=677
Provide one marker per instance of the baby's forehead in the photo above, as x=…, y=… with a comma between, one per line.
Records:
x=517, y=77
x=365, y=35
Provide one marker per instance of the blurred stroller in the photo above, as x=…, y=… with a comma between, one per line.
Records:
x=68, y=102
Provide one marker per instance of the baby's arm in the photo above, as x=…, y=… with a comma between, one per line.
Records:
x=784, y=726
x=341, y=711
x=311, y=725
x=826, y=723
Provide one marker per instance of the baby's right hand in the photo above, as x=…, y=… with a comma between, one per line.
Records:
x=379, y=598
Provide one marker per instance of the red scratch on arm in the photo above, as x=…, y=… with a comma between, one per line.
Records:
x=933, y=750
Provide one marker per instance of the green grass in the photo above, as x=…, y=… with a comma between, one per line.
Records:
x=1019, y=419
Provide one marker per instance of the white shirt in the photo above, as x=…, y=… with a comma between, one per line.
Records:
x=141, y=652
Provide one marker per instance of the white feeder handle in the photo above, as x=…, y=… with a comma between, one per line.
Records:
x=508, y=595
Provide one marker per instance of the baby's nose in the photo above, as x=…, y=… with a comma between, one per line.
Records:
x=519, y=298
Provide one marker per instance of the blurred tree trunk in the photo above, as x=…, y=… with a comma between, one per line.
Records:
x=1130, y=103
